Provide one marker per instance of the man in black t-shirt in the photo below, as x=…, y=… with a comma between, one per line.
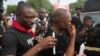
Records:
x=64, y=33
x=19, y=39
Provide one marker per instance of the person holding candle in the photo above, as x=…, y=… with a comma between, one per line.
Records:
x=64, y=32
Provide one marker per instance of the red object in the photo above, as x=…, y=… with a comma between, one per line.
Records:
x=59, y=5
x=22, y=29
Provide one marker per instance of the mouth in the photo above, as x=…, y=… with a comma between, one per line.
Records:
x=31, y=24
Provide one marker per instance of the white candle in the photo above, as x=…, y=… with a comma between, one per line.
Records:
x=46, y=23
x=54, y=48
x=81, y=51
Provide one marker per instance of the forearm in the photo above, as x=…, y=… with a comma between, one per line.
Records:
x=33, y=51
x=70, y=50
x=82, y=32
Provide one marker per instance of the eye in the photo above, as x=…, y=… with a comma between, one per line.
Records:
x=29, y=17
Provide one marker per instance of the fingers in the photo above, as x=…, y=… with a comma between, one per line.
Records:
x=51, y=44
x=72, y=28
x=48, y=42
x=72, y=31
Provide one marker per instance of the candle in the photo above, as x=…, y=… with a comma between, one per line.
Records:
x=81, y=51
x=54, y=48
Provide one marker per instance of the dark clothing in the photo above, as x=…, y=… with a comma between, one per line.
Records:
x=76, y=22
x=16, y=42
x=80, y=29
x=91, y=48
x=39, y=23
x=61, y=46
x=1, y=33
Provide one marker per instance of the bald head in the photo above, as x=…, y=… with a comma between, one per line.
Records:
x=60, y=14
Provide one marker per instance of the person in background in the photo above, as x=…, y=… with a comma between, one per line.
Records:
x=11, y=19
x=78, y=12
x=76, y=19
x=87, y=23
x=18, y=40
x=65, y=34
x=92, y=42
x=41, y=22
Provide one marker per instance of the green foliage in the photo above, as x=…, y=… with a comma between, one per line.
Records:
x=79, y=3
x=37, y=4
x=11, y=9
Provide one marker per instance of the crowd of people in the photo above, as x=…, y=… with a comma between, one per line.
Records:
x=58, y=34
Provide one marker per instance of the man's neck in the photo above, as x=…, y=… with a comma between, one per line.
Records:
x=41, y=19
x=57, y=30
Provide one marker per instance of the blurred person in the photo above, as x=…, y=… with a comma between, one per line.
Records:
x=78, y=12
x=19, y=39
x=3, y=27
x=64, y=33
x=87, y=23
x=92, y=42
x=41, y=22
x=12, y=18
x=76, y=20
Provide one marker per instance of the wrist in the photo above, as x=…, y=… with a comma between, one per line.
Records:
x=39, y=48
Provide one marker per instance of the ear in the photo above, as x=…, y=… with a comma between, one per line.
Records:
x=61, y=22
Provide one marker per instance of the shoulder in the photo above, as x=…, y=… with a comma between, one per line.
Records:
x=10, y=32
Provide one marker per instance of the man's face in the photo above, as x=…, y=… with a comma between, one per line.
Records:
x=27, y=17
x=42, y=14
x=78, y=12
x=66, y=21
x=89, y=22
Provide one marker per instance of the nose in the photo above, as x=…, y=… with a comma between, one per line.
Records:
x=32, y=21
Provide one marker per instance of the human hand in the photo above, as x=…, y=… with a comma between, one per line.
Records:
x=82, y=55
x=47, y=42
x=38, y=38
x=43, y=28
x=89, y=23
x=72, y=31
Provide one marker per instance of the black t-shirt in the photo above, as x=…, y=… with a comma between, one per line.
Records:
x=91, y=49
x=1, y=32
x=61, y=46
x=16, y=43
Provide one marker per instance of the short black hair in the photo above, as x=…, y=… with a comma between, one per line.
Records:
x=87, y=17
x=21, y=5
x=94, y=30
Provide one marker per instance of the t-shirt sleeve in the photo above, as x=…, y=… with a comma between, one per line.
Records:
x=9, y=44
